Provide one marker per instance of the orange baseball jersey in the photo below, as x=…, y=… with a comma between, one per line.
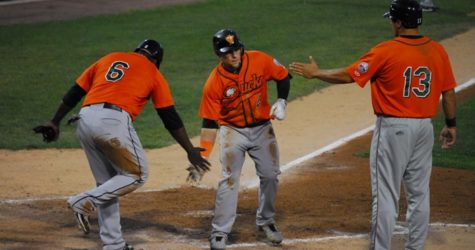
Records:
x=241, y=99
x=407, y=76
x=126, y=79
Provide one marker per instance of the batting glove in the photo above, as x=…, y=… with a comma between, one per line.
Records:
x=195, y=175
x=278, y=109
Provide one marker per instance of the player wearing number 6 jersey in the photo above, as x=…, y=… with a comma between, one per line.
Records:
x=407, y=76
x=117, y=87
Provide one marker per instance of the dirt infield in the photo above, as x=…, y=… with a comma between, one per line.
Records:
x=328, y=196
x=323, y=203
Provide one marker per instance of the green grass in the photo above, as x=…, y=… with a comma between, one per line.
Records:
x=41, y=61
x=462, y=155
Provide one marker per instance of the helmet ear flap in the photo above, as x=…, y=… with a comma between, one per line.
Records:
x=153, y=49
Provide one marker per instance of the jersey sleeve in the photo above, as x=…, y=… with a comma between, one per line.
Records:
x=210, y=102
x=86, y=79
x=161, y=94
x=275, y=70
x=449, y=81
x=366, y=67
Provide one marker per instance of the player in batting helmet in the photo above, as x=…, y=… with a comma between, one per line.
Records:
x=152, y=48
x=407, y=11
x=396, y=70
x=226, y=40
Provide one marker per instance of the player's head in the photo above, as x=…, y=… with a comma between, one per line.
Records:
x=409, y=12
x=152, y=49
x=226, y=41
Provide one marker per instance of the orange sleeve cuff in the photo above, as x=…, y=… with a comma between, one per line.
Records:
x=208, y=146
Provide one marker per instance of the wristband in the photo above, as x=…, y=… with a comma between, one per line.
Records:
x=450, y=123
x=208, y=146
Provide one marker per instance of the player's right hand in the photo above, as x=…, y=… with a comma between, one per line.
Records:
x=278, y=109
x=308, y=70
x=49, y=131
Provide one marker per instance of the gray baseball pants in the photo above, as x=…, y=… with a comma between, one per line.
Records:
x=401, y=151
x=117, y=161
x=261, y=145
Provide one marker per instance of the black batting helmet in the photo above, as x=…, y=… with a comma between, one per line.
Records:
x=408, y=11
x=153, y=48
x=225, y=41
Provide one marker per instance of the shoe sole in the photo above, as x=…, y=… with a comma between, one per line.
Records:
x=274, y=243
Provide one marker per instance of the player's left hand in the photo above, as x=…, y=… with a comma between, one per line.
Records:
x=195, y=175
x=197, y=161
x=278, y=109
x=448, y=137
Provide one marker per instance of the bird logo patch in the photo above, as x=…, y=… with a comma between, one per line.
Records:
x=230, y=39
x=363, y=67
x=229, y=92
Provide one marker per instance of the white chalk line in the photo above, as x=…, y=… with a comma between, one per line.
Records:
x=399, y=230
x=13, y=2
x=255, y=182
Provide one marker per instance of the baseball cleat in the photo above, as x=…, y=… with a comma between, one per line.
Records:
x=272, y=233
x=82, y=221
x=128, y=247
x=218, y=242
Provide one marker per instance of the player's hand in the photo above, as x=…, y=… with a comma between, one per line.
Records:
x=307, y=70
x=196, y=160
x=448, y=137
x=50, y=131
x=278, y=109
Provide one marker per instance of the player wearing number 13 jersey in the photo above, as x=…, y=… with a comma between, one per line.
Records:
x=407, y=76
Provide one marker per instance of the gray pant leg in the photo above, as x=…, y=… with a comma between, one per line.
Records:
x=265, y=154
x=117, y=161
x=233, y=148
x=416, y=183
x=391, y=149
x=109, y=220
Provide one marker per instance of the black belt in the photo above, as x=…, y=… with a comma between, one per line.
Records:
x=259, y=123
x=111, y=106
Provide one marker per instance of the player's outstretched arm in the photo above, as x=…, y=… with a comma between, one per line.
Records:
x=175, y=127
x=311, y=70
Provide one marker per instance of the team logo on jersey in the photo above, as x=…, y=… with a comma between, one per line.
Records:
x=229, y=92
x=362, y=68
x=230, y=39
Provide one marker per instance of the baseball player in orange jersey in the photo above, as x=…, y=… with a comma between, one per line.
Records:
x=235, y=101
x=408, y=75
x=117, y=87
